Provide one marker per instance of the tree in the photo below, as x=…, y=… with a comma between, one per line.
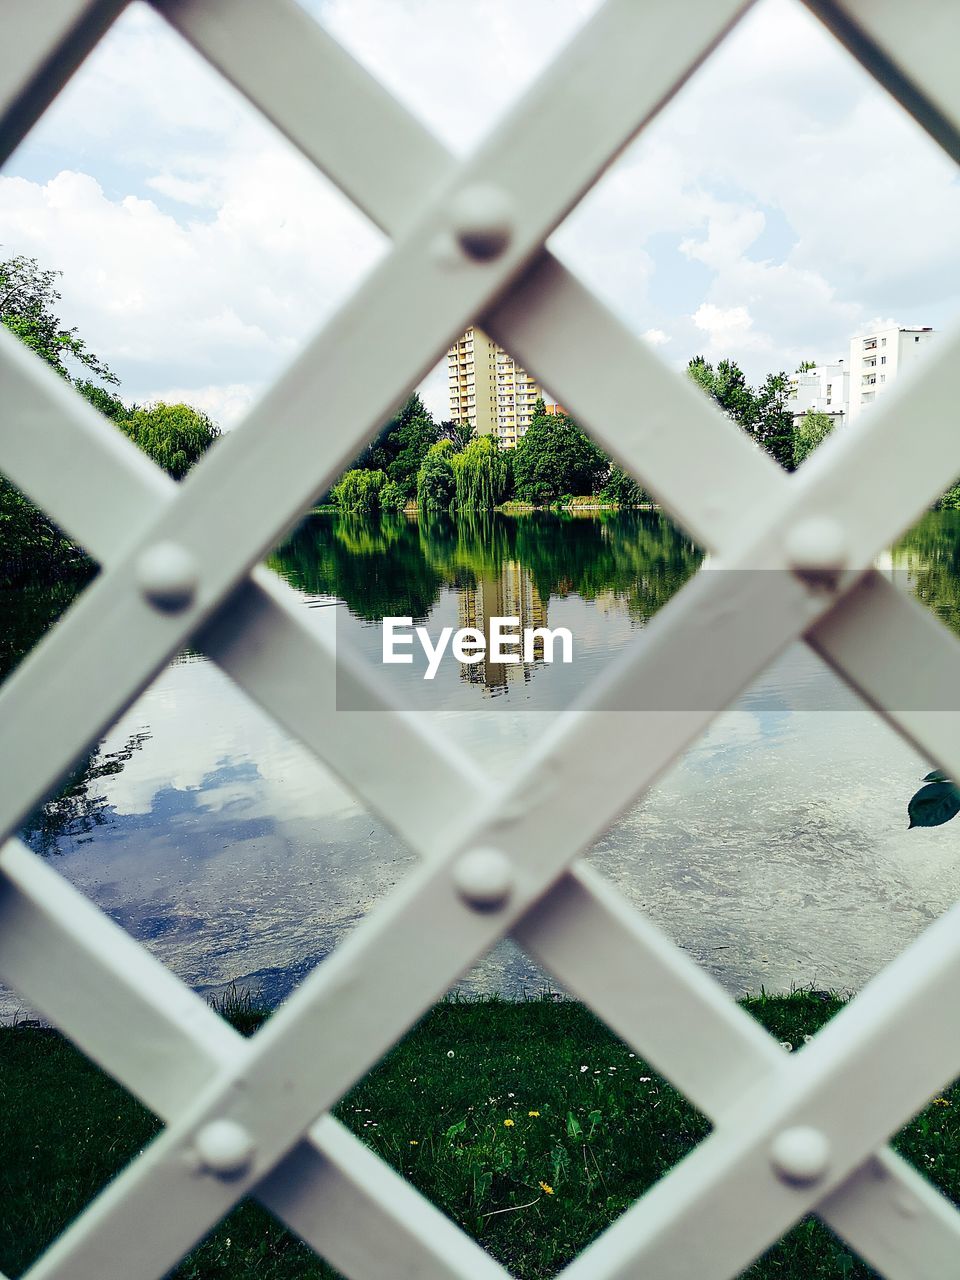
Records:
x=27, y=301
x=812, y=429
x=358, y=490
x=727, y=385
x=806, y=365
x=458, y=433
x=621, y=489
x=481, y=473
x=555, y=457
x=436, y=482
x=401, y=446
x=173, y=435
x=773, y=426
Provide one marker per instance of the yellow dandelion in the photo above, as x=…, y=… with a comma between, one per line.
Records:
x=533, y=1113
x=547, y=1190
x=414, y=1142
x=942, y=1102
x=508, y=1123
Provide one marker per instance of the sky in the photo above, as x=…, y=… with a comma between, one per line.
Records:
x=779, y=205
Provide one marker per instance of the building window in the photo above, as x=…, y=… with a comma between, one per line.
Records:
x=917, y=338
x=883, y=359
x=883, y=342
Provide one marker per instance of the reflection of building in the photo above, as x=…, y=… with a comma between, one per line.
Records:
x=489, y=390
x=511, y=594
x=877, y=359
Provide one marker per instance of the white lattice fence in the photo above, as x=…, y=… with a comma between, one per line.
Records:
x=792, y=1134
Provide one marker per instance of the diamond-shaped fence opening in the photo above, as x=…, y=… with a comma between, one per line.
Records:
x=794, y=1134
x=777, y=851
x=213, y=838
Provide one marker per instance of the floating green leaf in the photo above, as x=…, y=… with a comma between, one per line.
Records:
x=573, y=1126
x=934, y=804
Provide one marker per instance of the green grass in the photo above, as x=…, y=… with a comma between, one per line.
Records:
x=483, y=1106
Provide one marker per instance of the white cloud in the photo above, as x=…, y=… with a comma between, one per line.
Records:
x=729, y=329
x=656, y=337
x=224, y=403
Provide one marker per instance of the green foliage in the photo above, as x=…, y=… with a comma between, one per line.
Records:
x=173, y=435
x=401, y=446
x=763, y=413
x=32, y=549
x=392, y=497
x=555, y=457
x=358, y=491
x=773, y=423
x=581, y=1148
x=481, y=474
x=459, y=434
x=621, y=489
x=810, y=432
x=27, y=301
x=806, y=365
x=436, y=481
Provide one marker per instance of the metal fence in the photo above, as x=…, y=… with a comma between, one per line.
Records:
x=792, y=1134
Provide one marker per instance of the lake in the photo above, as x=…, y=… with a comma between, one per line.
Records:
x=776, y=852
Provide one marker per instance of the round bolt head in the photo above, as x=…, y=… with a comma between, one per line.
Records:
x=225, y=1148
x=484, y=878
x=482, y=217
x=801, y=1155
x=168, y=576
x=817, y=547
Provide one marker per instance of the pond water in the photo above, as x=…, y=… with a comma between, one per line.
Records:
x=776, y=851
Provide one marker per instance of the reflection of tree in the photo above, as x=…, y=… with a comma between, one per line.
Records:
x=27, y=613
x=374, y=564
x=79, y=805
x=930, y=553
x=391, y=566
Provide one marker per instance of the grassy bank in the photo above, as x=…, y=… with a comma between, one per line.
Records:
x=530, y=1124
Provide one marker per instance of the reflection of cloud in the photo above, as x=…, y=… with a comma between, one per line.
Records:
x=204, y=728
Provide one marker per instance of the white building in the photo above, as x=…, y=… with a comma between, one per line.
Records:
x=877, y=359
x=823, y=389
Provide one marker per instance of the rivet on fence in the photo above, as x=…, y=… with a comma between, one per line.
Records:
x=168, y=576
x=801, y=1156
x=817, y=549
x=225, y=1148
x=484, y=879
x=482, y=220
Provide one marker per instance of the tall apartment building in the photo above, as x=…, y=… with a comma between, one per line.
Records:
x=489, y=389
x=823, y=389
x=877, y=359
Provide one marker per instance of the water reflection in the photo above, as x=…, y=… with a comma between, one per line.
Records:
x=776, y=851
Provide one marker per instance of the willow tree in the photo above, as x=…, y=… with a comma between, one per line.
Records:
x=482, y=474
x=436, y=482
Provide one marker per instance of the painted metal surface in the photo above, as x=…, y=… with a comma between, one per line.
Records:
x=792, y=1133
